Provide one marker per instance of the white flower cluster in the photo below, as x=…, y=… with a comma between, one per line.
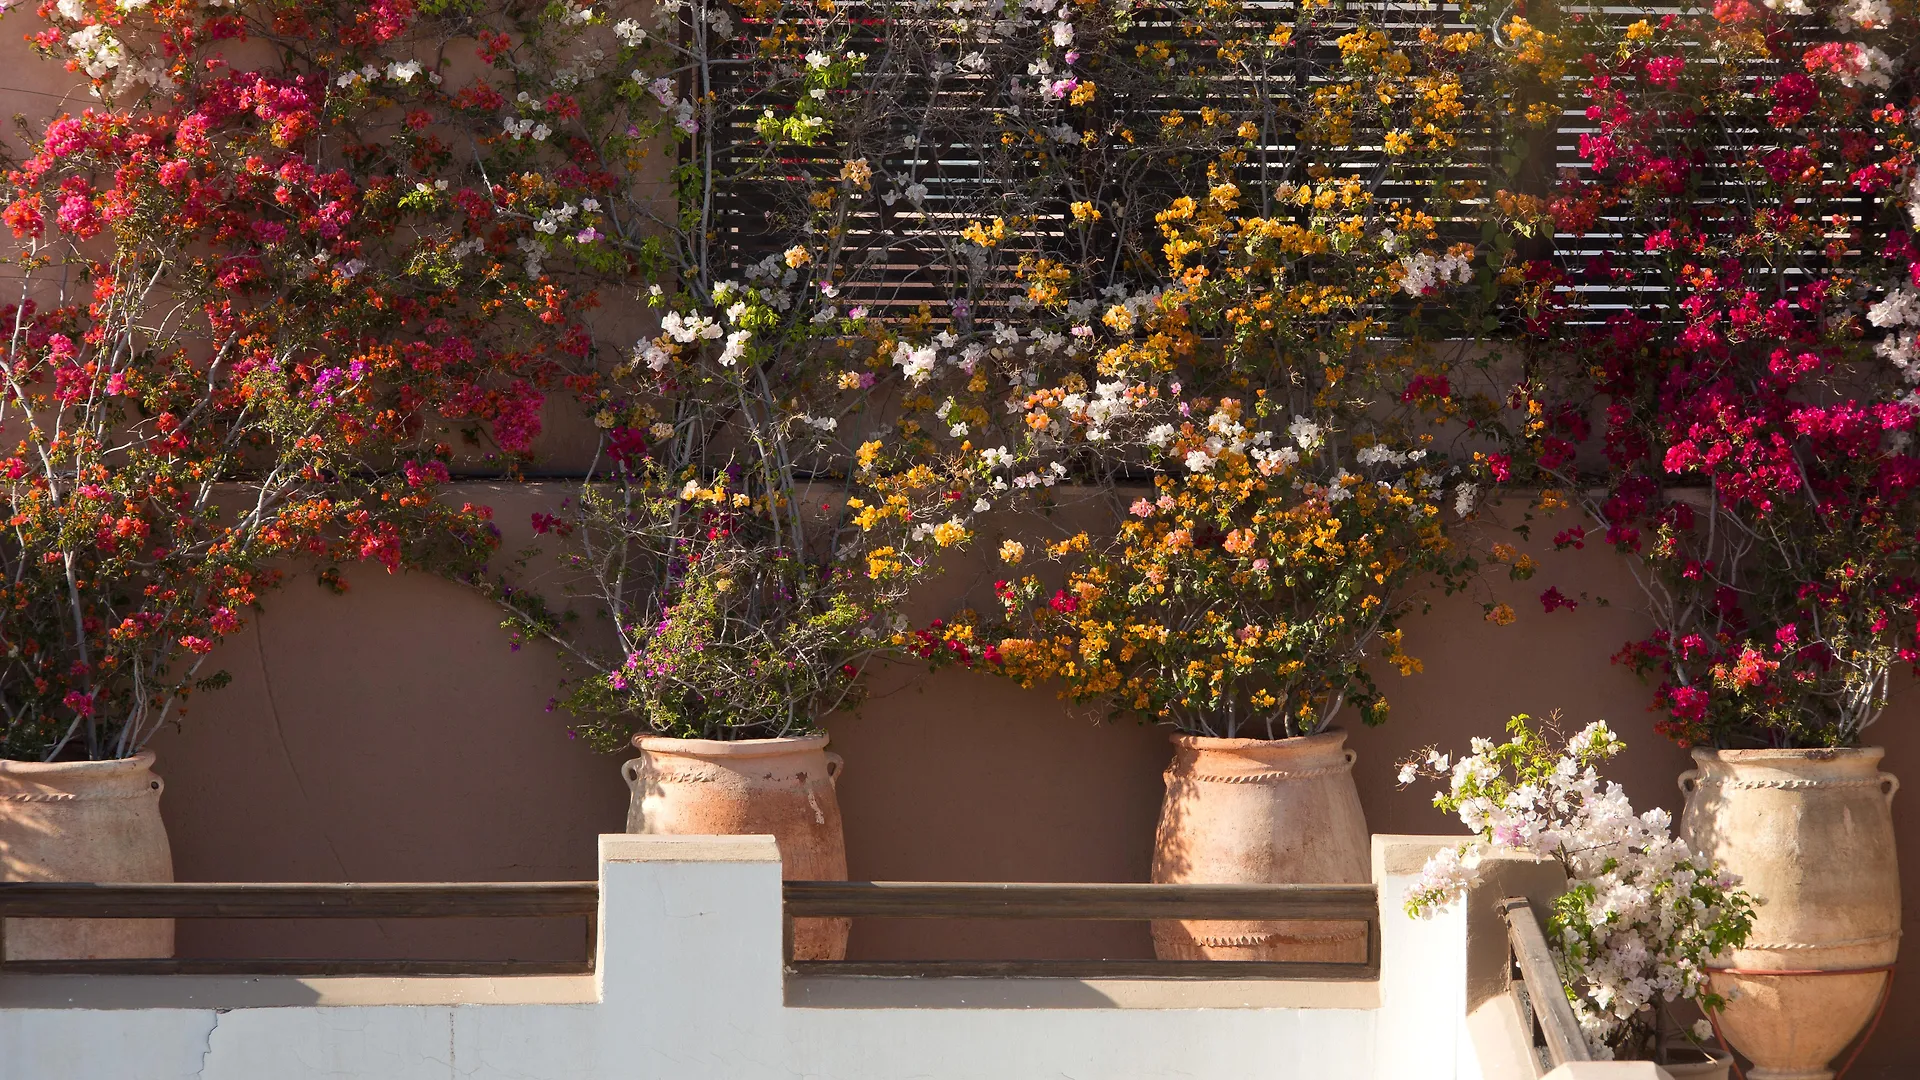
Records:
x=552, y=219
x=919, y=362
x=527, y=128
x=1846, y=16
x=1308, y=434
x=1863, y=15
x=398, y=71
x=915, y=362
x=689, y=328
x=96, y=50
x=1900, y=313
x=662, y=90
x=1642, y=912
x=1422, y=273
x=1869, y=67
x=1386, y=455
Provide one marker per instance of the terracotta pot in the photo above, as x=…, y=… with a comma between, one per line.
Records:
x=1260, y=811
x=1811, y=834
x=84, y=821
x=754, y=786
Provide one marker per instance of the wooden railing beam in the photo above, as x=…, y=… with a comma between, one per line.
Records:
x=1529, y=942
x=1099, y=901
x=328, y=900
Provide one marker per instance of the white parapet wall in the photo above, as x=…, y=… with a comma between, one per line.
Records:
x=689, y=984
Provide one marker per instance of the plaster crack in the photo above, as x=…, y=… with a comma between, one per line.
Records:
x=206, y=1051
x=286, y=752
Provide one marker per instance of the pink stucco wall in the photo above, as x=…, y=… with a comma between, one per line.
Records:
x=390, y=734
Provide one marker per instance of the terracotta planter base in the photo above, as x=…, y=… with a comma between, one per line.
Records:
x=84, y=821
x=1845, y=1005
x=1810, y=833
x=782, y=787
x=1259, y=811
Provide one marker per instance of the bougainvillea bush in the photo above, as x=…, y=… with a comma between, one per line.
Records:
x=1246, y=590
x=1643, y=914
x=1727, y=344
x=917, y=266
x=1265, y=412
x=260, y=315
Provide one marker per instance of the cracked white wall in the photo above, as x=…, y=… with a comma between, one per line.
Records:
x=690, y=985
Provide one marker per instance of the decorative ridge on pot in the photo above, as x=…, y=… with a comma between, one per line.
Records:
x=79, y=781
x=788, y=744
x=1829, y=767
x=1251, y=761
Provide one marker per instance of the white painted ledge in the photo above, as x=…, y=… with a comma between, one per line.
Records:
x=1610, y=1070
x=859, y=992
x=689, y=984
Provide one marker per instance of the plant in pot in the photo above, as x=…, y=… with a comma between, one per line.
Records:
x=1747, y=442
x=218, y=362
x=1240, y=599
x=1643, y=917
x=1239, y=604
x=1275, y=498
x=776, y=463
x=743, y=604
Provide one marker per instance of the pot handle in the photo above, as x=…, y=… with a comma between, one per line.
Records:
x=630, y=769
x=1689, y=782
x=835, y=766
x=1889, y=784
x=1351, y=755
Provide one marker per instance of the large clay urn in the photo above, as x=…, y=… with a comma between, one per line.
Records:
x=1810, y=832
x=1261, y=811
x=783, y=787
x=84, y=821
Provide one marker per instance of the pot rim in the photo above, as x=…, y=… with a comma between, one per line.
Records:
x=54, y=770
x=729, y=748
x=1814, y=755
x=1332, y=737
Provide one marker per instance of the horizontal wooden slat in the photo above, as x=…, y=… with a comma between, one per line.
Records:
x=1087, y=969
x=328, y=900
x=298, y=968
x=1022, y=900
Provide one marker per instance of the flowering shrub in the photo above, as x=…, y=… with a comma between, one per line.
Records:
x=1642, y=914
x=1244, y=595
x=728, y=625
x=746, y=601
x=1083, y=259
x=287, y=324
x=1297, y=495
x=1752, y=403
